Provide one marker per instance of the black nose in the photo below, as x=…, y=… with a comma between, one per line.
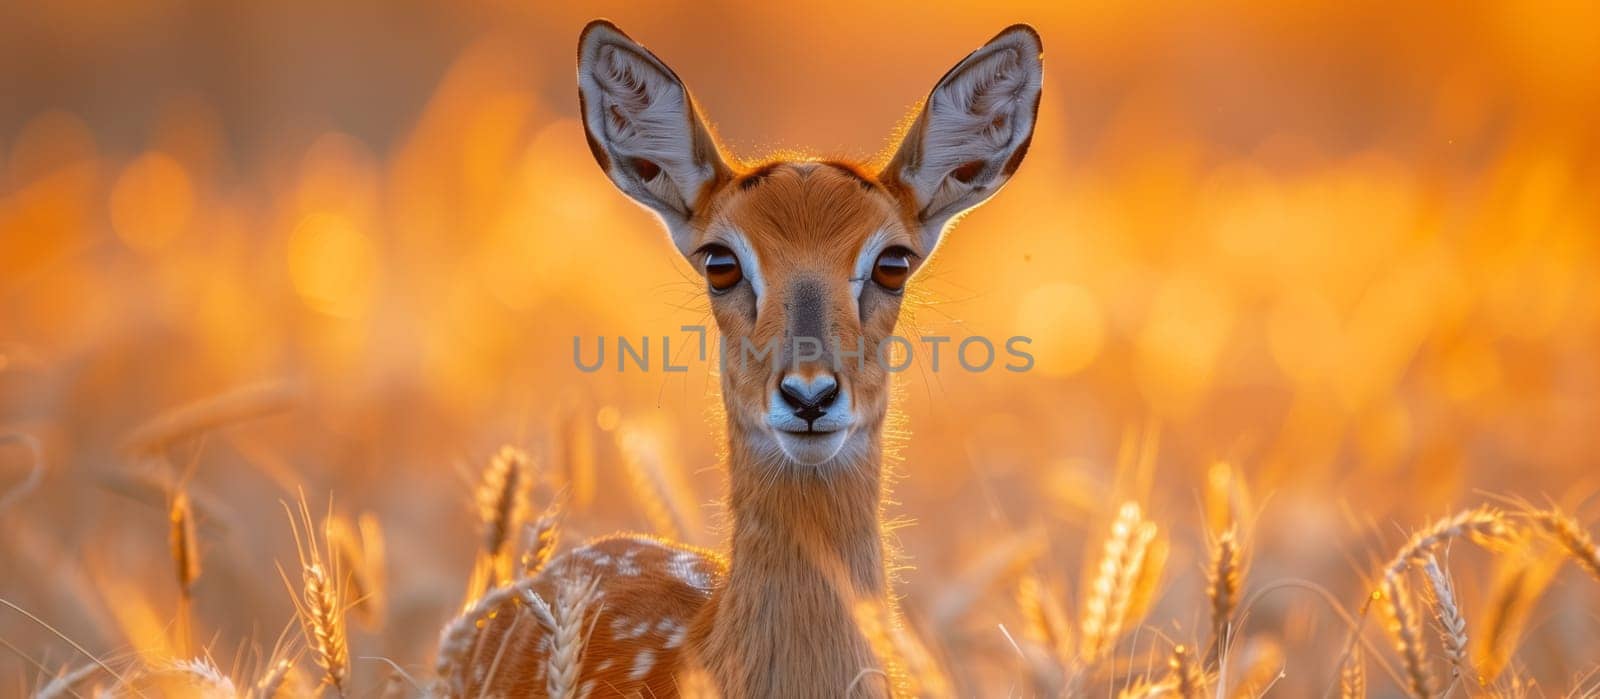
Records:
x=809, y=399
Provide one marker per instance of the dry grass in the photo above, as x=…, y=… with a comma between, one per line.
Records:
x=1259, y=665
x=541, y=538
x=1186, y=680
x=320, y=602
x=575, y=599
x=1347, y=290
x=1484, y=525
x=502, y=503
x=1406, y=631
x=657, y=489
x=457, y=654
x=185, y=546
x=1108, y=649
x=1222, y=587
x=1447, y=617
x=459, y=637
x=1572, y=537
x=273, y=680
x=64, y=684
x=1353, y=676
x=1121, y=579
x=1517, y=581
x=357, y=549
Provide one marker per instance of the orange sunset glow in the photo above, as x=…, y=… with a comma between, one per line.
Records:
x=1305, y=285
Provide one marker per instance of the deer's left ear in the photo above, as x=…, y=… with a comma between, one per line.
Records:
x=643, y=128
x=973, y=131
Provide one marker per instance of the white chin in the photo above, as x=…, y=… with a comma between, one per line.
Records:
x=811, y=448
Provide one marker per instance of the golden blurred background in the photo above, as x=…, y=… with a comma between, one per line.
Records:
x=1348, y=248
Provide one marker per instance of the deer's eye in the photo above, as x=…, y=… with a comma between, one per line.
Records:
x=892, y=269
x=722, y=268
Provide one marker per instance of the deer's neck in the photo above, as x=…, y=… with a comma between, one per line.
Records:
x=823, y=520
x=806, y=560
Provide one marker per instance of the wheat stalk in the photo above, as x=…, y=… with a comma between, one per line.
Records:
x=272, y=680
x=1518, y=579
x=658, y=493
x=185, y=560
x=1113, y=588
x=1142, y=688
x=457, y=636
x=1144, y=582
x=1447, y=614
x=358, y=552
x=1572, y=537
x=1222, y=587
x=1186, y=680
x=502, y=499
x=1045, y=623
x=542, y=537
x=236, y=405
x=185, y=548
x=1227, y=497
x=1353, y=676
x=564, y=664
x=1407, y=637
x=1263, y=666
x=576, y=451
x=325, y=625
x=1485, y=525
x=320, y=604
x=62, y=686
x=203, y=677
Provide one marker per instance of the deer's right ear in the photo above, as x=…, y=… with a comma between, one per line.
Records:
x=643, y=128
x=973, y=131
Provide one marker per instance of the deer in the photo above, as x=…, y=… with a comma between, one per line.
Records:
x=789, y=250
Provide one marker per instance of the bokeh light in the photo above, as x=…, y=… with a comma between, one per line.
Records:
x=1347, y=249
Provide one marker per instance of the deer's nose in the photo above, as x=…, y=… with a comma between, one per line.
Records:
x=811, y=397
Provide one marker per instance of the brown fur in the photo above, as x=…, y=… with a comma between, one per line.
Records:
x=791, y=614
x=806, y=550
x=641, y=618
x=809, y=222
x=806, y=544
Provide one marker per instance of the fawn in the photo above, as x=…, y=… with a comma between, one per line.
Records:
x=790, y=249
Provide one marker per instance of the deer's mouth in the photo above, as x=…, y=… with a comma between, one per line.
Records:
x=811, y=447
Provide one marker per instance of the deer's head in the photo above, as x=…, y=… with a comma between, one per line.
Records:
x=806, y=262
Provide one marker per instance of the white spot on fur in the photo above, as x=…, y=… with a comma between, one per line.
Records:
x=622, y=627
x=685, y=566
x=626, y=565
x=676, y=639
x=642, y=664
